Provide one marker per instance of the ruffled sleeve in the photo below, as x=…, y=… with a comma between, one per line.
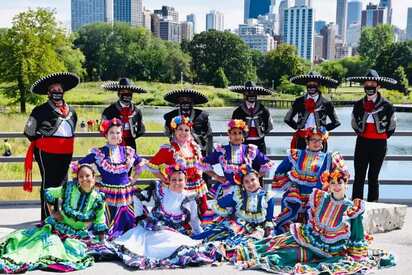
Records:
x=163, y=156
x=99, y=223
x=281, y=179
x=270, y=211
x=90, y=158
x=212, y=158
x=357, y=209
x=358, y=245
x=224, y=206
x=52, y=194
x=194, y=217
x=263, y=162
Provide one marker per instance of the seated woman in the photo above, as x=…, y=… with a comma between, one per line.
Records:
x=299, y=173
x=114, y=162
x=183, y=150
x=334, y=243
x=232, y=156
x=62, y=242
x=161, y=240
x=246, y=212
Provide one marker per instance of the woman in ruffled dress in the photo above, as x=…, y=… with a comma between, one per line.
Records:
x=247, y=212
x=161, y=240
x=62, y=243
x=232, y=156
x=299, y=173
x=333, y=241
x=184, y=151
x=114, y=161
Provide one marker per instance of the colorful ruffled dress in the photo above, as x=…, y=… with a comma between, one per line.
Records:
x=242, y=215
x=231, y=158
x=114, y=164
x=171, y=155
x=161, y=240
x=57, y=246
x=298, y=174
x=332, y=241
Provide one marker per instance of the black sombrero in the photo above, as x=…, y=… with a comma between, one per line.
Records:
x=314, y=76
x=65, y=79
x=196, y=97
x=250, y=88
x=123, y=84
x=372, y=75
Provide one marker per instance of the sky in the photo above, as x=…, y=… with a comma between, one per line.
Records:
x=232, y=10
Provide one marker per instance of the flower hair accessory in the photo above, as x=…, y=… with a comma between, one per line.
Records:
x=244, y=170
x=177, y=167
x=309, y=132
x=177, y=120
x=75, y=168
x=237, y=123
x=107, y=124
x=337, y=175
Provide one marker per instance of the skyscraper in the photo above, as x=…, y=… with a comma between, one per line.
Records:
x=215, y=21
x=319, y=25
x=129, y=11
x=341, y=16
x=298, y=30
x=170, y=30
x=85, y=12
x=284, y=4
x=192, y=18
x=354, y=12
x=254, y=35
x=186, y=31
x=253, y=8
x=388, y=5
x=409, y=24
x=166, y=11
x=328, y=33
x=373, y=15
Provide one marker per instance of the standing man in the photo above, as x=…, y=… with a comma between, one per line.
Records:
x=312, y=108
x=50, y=128
x=184, y=100
x=125, y=110
x=374, y=121
x=256, y=116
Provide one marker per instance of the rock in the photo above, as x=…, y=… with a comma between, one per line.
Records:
x=383, y=217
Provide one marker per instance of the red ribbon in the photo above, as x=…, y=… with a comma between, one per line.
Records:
x=368, y=106
x=310, y=105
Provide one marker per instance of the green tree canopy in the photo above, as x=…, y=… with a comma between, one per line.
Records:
x=34, y=46
x=283, y=61
x=374, y=40
x=213, y=49
x=333, y=69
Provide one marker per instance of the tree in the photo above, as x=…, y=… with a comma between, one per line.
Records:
x=33, y=47
x=283, y=61
x=286, y=87
x=396, y=55
x=213, y=49
x=374, y=40
x=354, y=65
x=402, y=80
x=333, y=69
x=220, y=80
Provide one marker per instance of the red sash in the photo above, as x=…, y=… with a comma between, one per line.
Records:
x=52, y=145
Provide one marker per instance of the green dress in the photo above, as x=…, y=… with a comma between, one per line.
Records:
x=59, y=246
x=332, y=241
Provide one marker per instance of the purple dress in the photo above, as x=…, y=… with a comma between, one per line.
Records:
x=114, y=164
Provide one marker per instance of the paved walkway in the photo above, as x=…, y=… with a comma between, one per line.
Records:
x=399, y=242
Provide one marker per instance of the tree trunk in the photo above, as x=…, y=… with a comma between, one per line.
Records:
x=22, y=90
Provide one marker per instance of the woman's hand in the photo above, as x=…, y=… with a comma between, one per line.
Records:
x=57, y=215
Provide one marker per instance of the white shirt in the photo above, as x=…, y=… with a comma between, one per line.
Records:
x=370, y=116
x=311, y=122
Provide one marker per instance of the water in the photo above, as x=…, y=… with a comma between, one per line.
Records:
x=345, y=145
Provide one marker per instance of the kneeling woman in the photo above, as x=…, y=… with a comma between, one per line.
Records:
x=61, y=244
x=161, y=240
x=333, y=240
x=246, y=212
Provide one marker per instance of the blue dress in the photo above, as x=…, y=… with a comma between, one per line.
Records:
x=114, y=164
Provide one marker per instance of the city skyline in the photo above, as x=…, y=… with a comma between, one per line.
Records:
x=233, y=16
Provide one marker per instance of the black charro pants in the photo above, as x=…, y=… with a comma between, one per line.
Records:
x=53, y=171
x=369, y=155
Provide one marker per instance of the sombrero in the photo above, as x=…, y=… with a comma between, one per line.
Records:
x=373, y=75
x=123, y=84
x=314, y=76
x=196, y=96
x=65, y=79
x=250, y=88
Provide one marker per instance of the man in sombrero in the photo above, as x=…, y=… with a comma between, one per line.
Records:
x=374, y=121
x=184, y=100
x=312, y=108
x=256, y=116
x=50, y=128
x=125, y=110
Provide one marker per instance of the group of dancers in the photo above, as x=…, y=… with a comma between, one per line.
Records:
x=193, y=215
